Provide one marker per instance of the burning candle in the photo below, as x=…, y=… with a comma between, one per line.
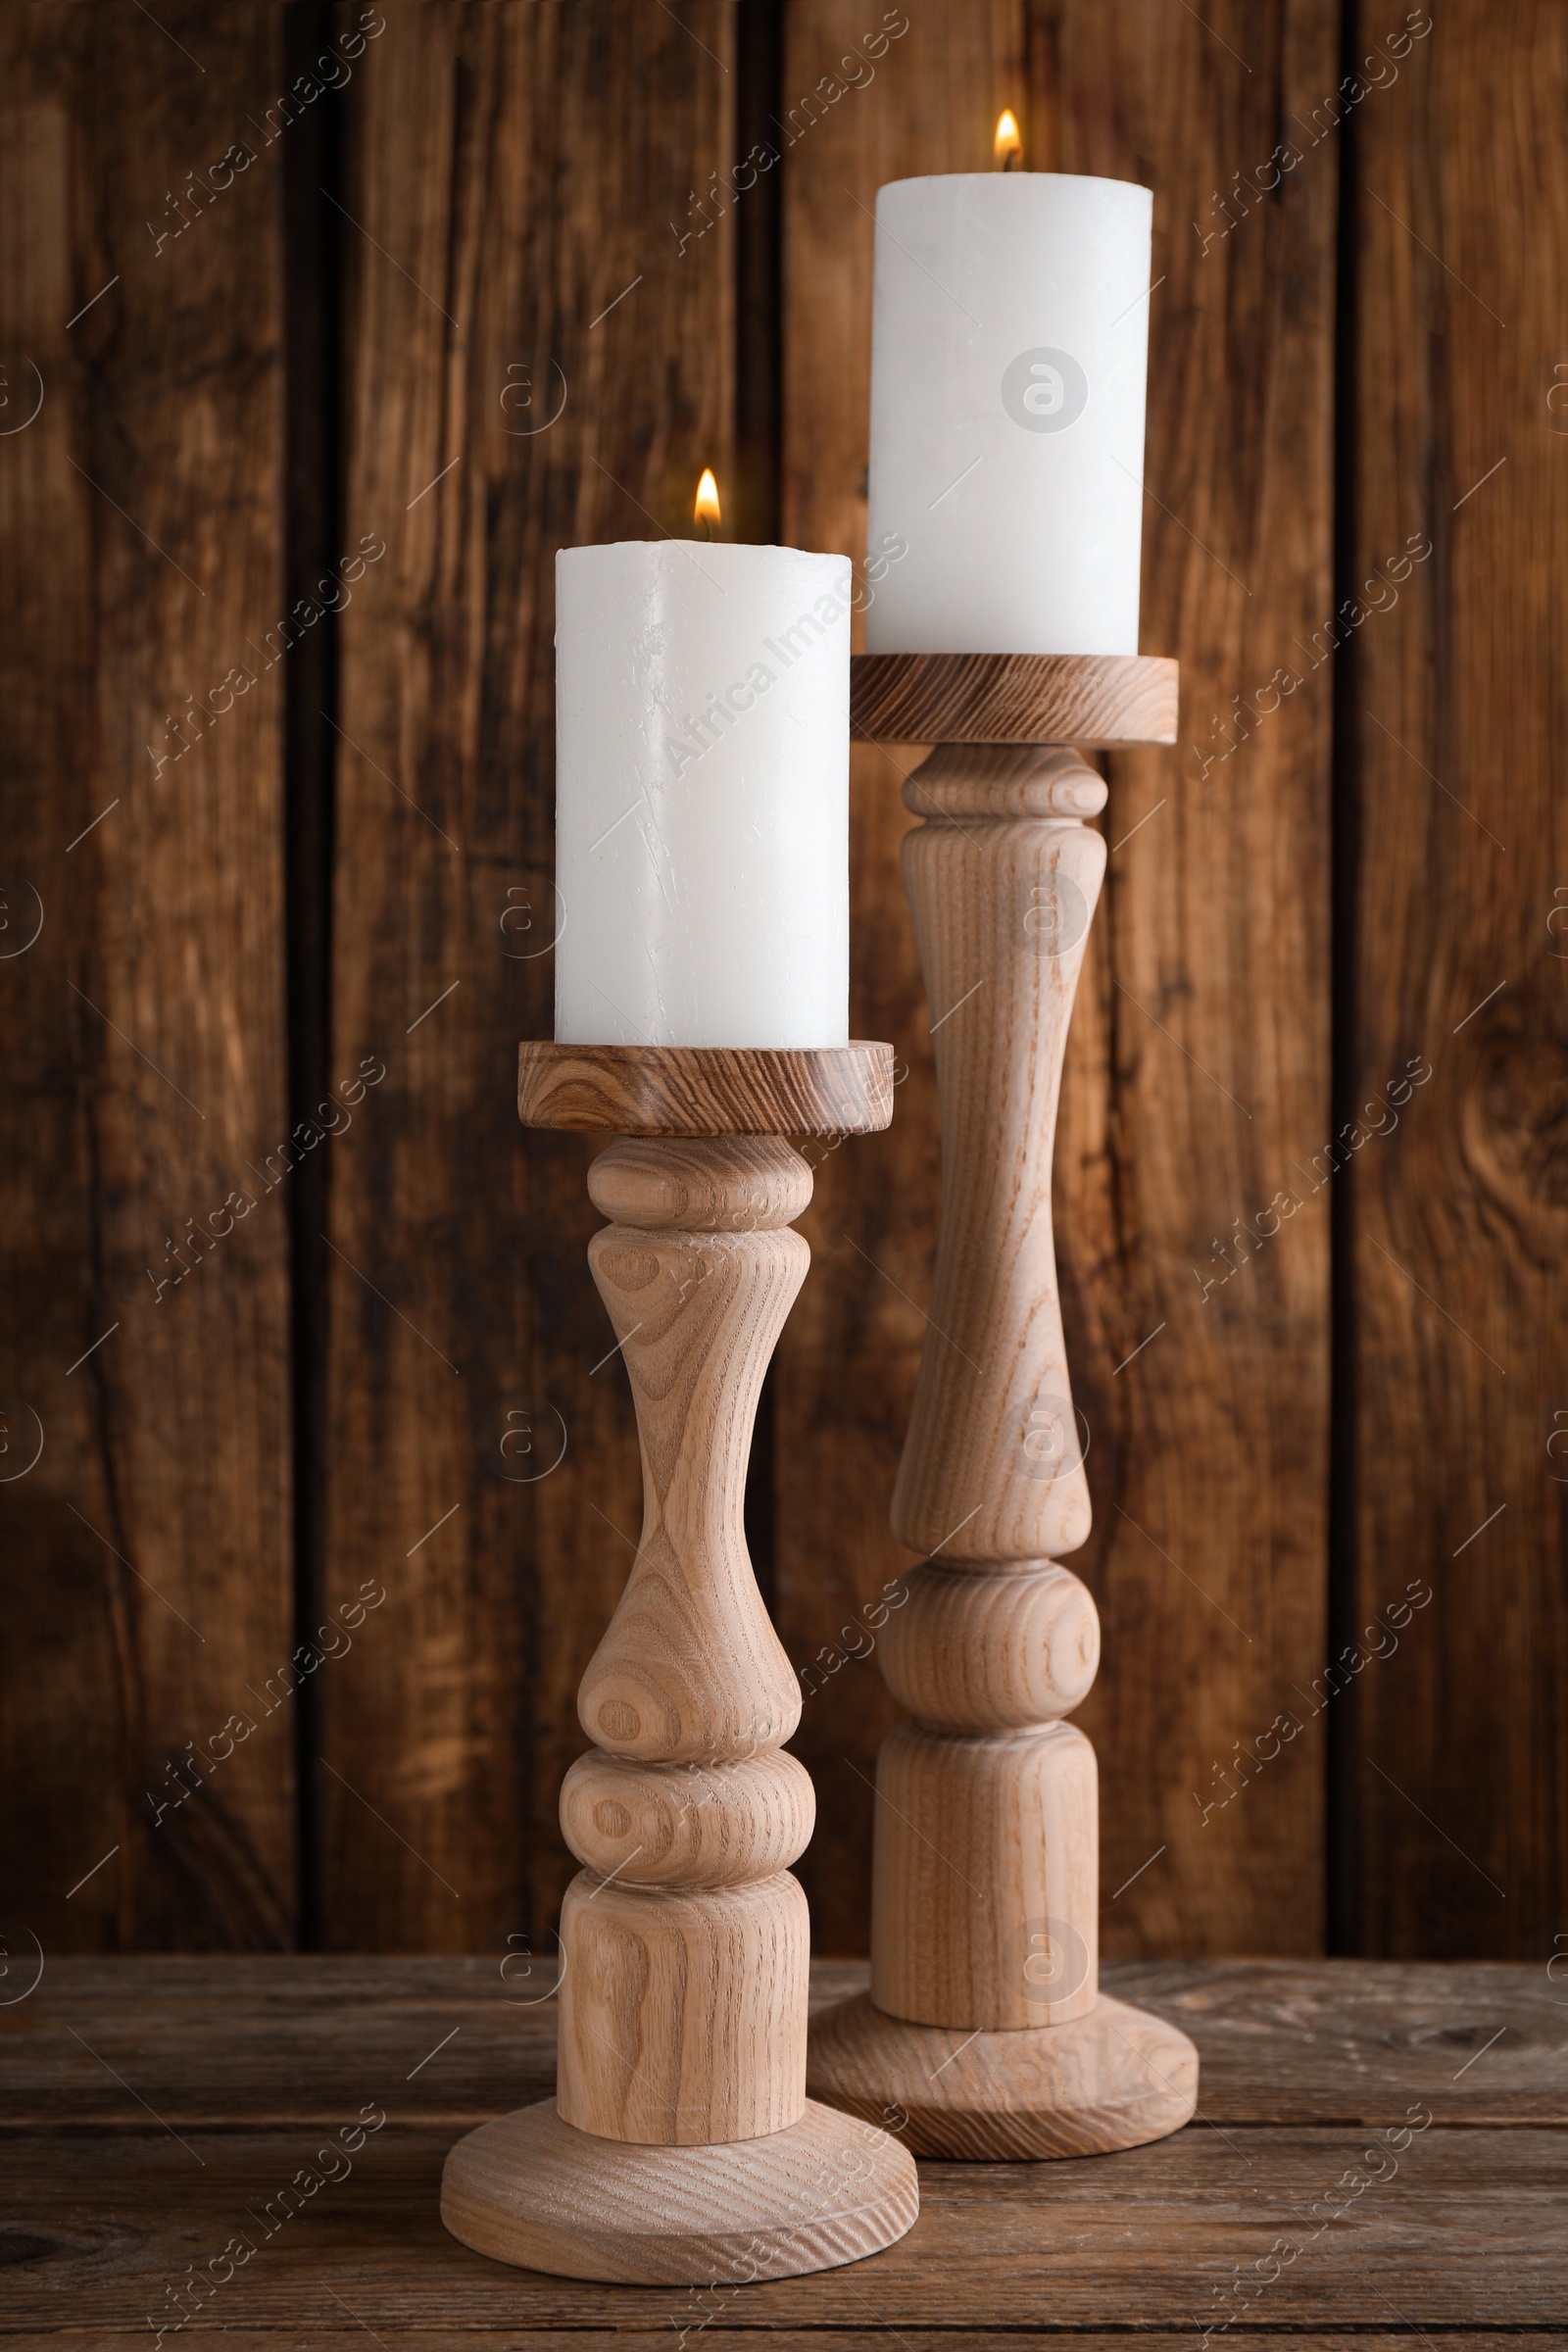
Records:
x=702, y=795
x=1008, y=355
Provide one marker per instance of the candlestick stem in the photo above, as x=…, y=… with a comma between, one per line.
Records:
x=985, y=2021
x=681, y=2147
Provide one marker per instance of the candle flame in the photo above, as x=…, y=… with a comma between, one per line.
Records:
x=1008, y=141
x=705, y=507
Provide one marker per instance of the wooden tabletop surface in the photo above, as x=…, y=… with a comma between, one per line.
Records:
x=1381, y=2150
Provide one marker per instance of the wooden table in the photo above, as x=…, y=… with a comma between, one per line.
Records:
x=154, y=2109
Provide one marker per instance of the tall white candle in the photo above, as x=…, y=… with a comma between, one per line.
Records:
x=1008, y=355
x=702, y=795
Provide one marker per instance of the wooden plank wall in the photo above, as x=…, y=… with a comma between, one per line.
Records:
x=512, y=172
x=1202, y=1067
x=148, y=1573
x=486, y=299
x=1453, y=1232
x=848, y=1361
x=1186, y=1094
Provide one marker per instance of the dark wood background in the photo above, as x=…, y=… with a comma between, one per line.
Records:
x=345, y=870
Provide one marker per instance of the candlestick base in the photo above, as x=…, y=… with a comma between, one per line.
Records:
x=1112, y=2079
x=530, y=2189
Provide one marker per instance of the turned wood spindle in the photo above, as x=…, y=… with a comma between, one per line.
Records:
x=681, y=2147
x=685, y=1917
x=1003, y=882
x=985, y=2023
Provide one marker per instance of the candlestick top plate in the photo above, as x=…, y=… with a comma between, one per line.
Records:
x=705, y=1090
x=1084, y=699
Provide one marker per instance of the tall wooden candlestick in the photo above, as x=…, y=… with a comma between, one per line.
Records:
x=680, y=2147
x=984, y=2023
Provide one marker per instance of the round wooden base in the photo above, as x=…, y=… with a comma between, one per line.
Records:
x=533, y=2190
x=1111, y=2079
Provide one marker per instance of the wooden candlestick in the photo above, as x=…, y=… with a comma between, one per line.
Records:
x=984, y=2022
x=680, y=2148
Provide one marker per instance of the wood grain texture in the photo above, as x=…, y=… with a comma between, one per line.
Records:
x=680, y=2146
x=1081, y=699
x=966, y=1651
x=687, y=1824
x=1198, y=1065
x=256, y=2063
x=850, y=2338
x=1143, y=2241
x=1111, y=2078
x=1147, y=2241
x=682, y=2001
x=1201, y=1060
x=1020, y=779
x=705, y=1090
x=524, y=166
x=985, y=1906
x=1007, y=1936
x=280, y=2040
x=1454, y=1221
x=993, y=1467
x=528, y=2189
x=147, y=1572
x=518, y=170
x=846, y=1364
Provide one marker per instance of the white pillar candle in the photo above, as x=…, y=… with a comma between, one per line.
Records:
x=1009, y=354
x=702, y=795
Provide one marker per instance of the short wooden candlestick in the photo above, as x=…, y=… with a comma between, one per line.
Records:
x=680, y=2148
x=984, y=2022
